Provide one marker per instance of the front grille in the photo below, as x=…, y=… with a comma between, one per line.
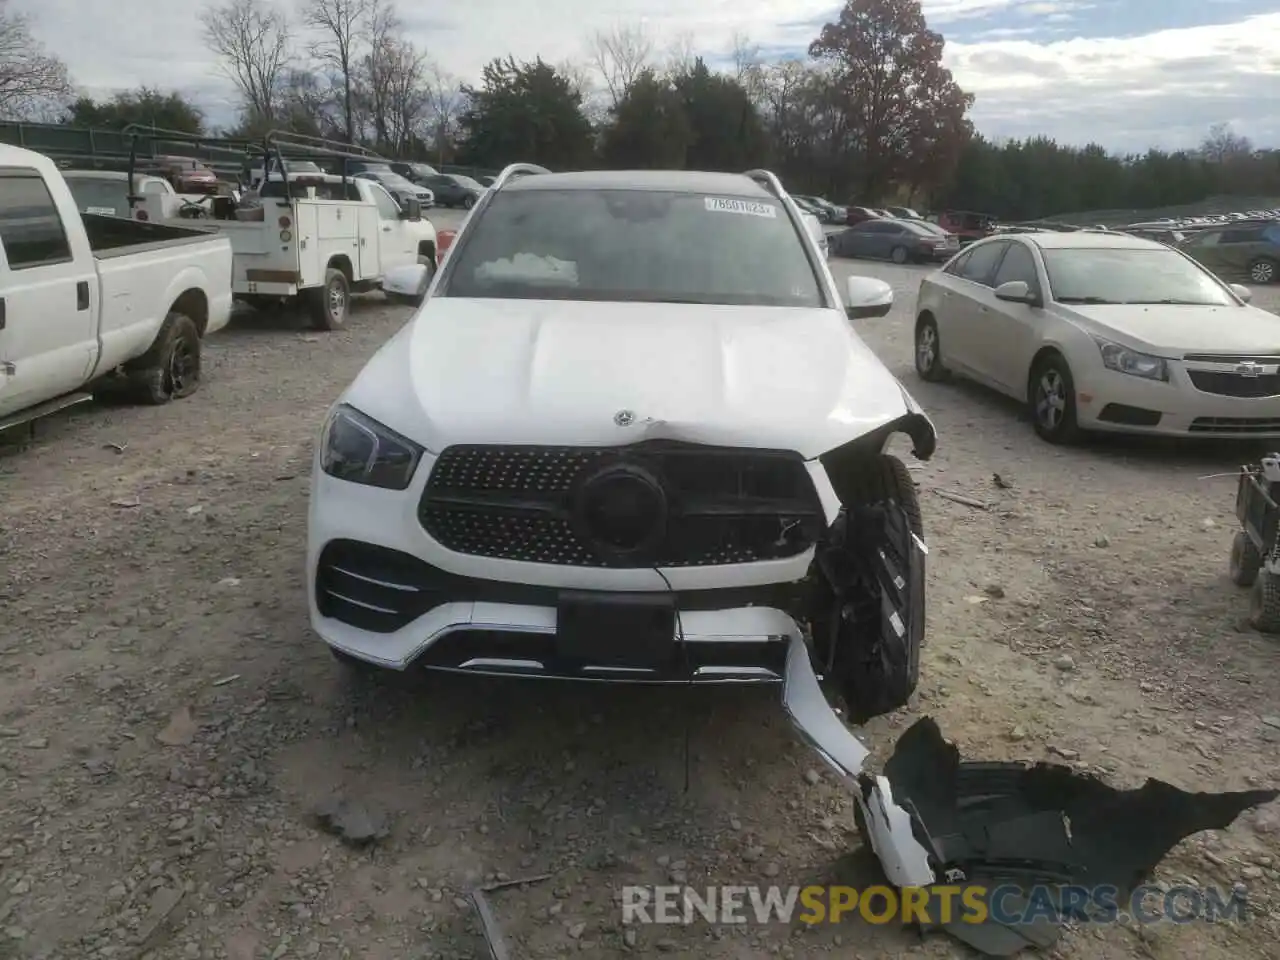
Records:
x=525, y=503
x=373, y=588
x=1226, y=384
x=1242, y=426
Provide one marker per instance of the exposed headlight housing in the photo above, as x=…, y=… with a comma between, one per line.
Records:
x=1123, y=360
x=359, y=449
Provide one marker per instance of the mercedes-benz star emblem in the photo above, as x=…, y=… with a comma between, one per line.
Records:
x=624, y=418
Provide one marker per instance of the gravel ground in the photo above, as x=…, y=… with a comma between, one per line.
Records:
x=169, y=726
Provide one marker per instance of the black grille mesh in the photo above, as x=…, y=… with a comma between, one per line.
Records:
x=517, y=503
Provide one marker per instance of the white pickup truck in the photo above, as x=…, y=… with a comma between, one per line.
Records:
x=92, y=302
x=319, y=240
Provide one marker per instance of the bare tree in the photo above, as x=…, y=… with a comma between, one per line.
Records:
x=340, y=24
x=618, y=55
x=251, y=40
x=746, y=56
x=1223, y=144
x=444, y=101
x=681, y=54
x=31, y=80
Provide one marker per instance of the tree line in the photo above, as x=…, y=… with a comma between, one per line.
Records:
x=870, y=116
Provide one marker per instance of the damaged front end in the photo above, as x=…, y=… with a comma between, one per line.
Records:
x=1034, y=832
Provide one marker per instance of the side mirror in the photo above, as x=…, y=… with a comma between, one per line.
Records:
x=410, y=209
x=407, y=284
x=1241, y=291
x=867, y=297
x=1016, y=291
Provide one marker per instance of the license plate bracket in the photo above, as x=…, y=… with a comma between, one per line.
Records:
x=616, y=629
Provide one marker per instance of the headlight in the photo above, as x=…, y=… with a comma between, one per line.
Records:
x=1123, y=360
x=357, y=448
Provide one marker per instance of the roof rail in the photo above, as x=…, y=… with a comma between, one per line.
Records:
x=513, y=170
x=767, y=180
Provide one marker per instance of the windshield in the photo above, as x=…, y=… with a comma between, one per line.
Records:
x=1140, y=275
x=467, y=183
x=395, y=181
x=634, y=246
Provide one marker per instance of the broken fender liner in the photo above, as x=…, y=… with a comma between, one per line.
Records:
x=931, y=817
x=1022, y=825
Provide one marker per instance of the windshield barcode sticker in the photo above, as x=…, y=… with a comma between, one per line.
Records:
x=101, y=211
x=749, y=207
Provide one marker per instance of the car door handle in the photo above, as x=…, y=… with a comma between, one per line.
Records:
x=82, y=295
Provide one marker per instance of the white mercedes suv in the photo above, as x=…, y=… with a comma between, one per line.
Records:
x=630, y=434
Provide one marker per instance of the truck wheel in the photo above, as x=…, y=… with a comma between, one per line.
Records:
x=1264, y=603
x=328, y=305
x=170, y=370
x=1246, y=561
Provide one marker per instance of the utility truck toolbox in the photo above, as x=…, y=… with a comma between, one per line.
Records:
x=1254, y=561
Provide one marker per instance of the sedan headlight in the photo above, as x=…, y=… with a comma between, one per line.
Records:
x=359, y=449
x=1123, y=360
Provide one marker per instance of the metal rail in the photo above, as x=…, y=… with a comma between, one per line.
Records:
x=511, y=171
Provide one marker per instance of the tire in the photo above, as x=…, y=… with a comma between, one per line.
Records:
x=1264, y=603
x=871, y=678
x=329, y=304
x=170, y=370
x=1246, y=561
x=881, y=478
x=1054, y=420
x=1264, y=270
x=468, y=202
x=928, y=351
x=898, y=255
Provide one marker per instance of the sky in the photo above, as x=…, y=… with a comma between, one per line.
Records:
x=1129, y=74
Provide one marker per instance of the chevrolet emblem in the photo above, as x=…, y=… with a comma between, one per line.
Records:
x=1252, y=370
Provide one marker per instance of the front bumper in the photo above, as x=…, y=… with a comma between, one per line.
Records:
x=381, y=590
x=1118, y=402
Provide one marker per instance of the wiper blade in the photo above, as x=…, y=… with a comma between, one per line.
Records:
x=1176, y=301
x=1084, y=300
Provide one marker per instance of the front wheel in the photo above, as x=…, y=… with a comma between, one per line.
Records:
x=898, y=255
x=1052, y=400
x=468, y=202
x=1246, y=561
x=1263, y=270
x=329, y=304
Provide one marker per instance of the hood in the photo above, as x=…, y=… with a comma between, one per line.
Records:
x=558, y=372
x=1173, y=329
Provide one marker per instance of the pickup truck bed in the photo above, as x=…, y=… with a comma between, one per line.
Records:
x=115, y=236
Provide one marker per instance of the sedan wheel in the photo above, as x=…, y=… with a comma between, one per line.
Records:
x=898, y=254
x=928, y=354
x=1052, y=399
x=1262, y=271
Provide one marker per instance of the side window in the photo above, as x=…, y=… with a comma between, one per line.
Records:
x=956, y=266
x=388, y=209
x=1272, y=233
x=982, y=261
x=1206, y=238
x=30, y=228
x=1242, y=235
x=1018, y=264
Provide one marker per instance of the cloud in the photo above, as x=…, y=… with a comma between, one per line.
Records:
x=1164, y=89
x=1029, y=73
